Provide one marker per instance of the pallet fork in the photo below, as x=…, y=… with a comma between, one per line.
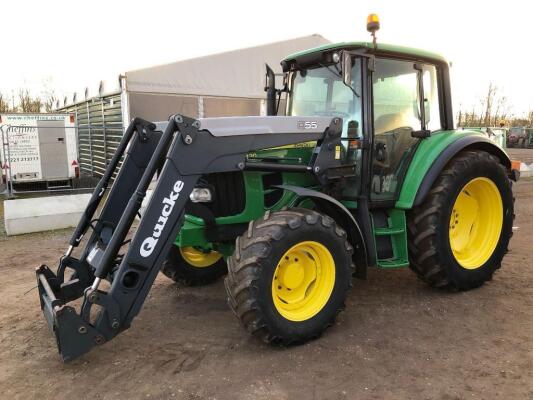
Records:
x=183, y=149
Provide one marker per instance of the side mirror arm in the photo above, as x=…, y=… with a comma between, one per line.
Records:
x=270, y=89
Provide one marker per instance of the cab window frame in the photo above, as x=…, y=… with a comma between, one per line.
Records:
x=440, y=86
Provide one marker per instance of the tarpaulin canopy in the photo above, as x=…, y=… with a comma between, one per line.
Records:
x=238, y=73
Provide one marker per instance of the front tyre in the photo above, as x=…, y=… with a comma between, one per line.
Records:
x=459, y=235
x=289, y=275
x=193, y=267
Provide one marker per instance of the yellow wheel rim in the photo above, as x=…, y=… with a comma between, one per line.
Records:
x=198, y=258
x=476, y=223
x=303, y=281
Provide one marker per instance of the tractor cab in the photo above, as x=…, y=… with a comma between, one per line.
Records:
x=389, y=97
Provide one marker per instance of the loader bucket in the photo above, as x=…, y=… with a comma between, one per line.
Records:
x=73, y=335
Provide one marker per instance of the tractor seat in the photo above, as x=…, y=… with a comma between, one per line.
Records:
x=389, y=122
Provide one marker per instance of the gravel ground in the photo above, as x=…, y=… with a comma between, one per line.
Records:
x=397, y=339
x=524, y=155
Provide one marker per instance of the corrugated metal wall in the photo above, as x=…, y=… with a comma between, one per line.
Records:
x=99, y=130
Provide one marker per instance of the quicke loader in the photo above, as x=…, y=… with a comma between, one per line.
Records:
x=365, y=170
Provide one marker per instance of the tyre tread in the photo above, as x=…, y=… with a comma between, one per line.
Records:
x=254, y=248
x=422, y=224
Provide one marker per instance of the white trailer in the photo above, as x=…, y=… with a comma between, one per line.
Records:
x=38, y=147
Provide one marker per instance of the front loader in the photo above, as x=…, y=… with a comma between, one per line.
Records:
x=365, y=171
x=188, y=149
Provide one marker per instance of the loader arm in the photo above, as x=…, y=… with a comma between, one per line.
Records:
x=184, y=149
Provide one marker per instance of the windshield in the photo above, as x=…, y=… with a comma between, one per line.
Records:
x=321, y=92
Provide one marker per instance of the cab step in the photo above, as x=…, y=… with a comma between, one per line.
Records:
x=388, y=231
x=397, y=233
x=393, y=263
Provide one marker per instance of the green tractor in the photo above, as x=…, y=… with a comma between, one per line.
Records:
x=364, y=171
x=419, y=194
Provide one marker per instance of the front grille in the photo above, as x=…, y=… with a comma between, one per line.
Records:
x=229, y=193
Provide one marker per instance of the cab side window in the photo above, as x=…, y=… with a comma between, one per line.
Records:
x=431, y=98
x=397, y=113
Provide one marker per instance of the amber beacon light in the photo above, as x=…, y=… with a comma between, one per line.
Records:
x=372, y=26
x=372, y=23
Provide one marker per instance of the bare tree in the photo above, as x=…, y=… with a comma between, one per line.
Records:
x=4, y=104
x=501, y=113
x=49, y=100
x=488, y=103
x=530, y=118
x=493, y=109
x=460, y=116
x=29, y=104
x=48, y=94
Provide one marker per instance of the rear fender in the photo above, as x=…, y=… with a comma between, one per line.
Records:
x=465, y=143
x=417, y=185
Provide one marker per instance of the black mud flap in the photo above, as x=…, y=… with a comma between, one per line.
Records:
x=74, y=337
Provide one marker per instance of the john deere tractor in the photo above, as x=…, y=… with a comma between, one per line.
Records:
x=364, y=171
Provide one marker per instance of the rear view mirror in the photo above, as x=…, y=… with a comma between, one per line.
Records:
x=427, y=111
x=347, y=68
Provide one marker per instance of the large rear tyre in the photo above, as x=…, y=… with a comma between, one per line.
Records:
x=193, y=267
x=289, y=275
x=459, y=235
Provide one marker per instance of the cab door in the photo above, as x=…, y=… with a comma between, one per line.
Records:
x=399, y=91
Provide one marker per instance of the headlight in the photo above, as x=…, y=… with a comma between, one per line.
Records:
x=201, y=195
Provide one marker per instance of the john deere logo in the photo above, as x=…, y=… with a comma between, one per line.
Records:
x=148, y=244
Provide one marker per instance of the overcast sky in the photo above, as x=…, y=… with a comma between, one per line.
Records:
x=68, y=45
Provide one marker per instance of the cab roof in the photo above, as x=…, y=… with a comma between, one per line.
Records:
x=382, y=48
